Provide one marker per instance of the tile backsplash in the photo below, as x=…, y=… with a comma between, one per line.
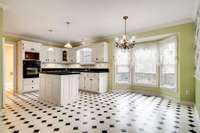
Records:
x=54, y=65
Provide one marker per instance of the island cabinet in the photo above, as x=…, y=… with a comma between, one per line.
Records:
x=58, y=89
x=94, y=82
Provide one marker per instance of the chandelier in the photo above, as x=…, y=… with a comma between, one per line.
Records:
x=68, y=45
x=125, y=42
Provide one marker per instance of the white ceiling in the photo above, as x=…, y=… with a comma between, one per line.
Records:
x=90, y=18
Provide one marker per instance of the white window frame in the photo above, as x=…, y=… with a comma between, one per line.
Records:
x=168, y=40
x=158, y=67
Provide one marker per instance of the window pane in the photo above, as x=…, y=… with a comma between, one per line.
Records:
x=145, y=61
x=122, y=66
x=122, y=74
x=122, y=57
x=168, y=65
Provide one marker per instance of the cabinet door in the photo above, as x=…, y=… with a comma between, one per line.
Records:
x=82, y=81
x=87, y=82
x=95, y=82
x=72, y=56
x=31, y=46
x=101, y=52
x=57, y=55
x=44, y=54
x=50, y=55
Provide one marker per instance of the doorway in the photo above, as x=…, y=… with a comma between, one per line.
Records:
x=9, y=81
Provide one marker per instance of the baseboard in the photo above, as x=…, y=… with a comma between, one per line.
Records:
x=156, y=94
x=196, y=111
x=187, y=103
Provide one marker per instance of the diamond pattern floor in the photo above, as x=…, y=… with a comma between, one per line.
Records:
x=113, y=112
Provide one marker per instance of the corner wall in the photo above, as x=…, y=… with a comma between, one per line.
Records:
x=186, y=61
x=1, y=58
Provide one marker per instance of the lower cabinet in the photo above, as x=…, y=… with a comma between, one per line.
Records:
x=58, y=90
x=94, y=82
x=31, y=84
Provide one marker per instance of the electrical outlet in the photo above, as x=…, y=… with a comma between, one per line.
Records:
x=187, y=92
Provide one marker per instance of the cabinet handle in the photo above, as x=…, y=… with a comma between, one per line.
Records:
x=91, y=79
x=32, y=81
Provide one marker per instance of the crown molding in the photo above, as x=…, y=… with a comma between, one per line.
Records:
x=147, y=29
x=33, y=39
x=196, y=9
x=92, y=40
x=3, y=5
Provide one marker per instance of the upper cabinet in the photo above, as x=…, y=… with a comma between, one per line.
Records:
x=51, y=54
x=31, y=46
x=101, y=52
x=86, y=56
x=97, y=53
x=72, y=55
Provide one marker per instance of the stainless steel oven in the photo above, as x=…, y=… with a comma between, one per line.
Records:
x=31, y=68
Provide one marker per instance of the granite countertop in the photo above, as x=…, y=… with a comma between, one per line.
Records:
x=60, y=73
x=67, y=71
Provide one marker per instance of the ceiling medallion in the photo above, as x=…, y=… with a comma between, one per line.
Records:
x=68, y=45
x=125, y=42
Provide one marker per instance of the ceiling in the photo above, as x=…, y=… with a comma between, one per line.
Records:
x=90, y=18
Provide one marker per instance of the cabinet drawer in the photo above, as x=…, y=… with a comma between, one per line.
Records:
x=29, y=88
x=31, y=81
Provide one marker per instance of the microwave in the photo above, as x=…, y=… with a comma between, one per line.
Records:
x=32, y=56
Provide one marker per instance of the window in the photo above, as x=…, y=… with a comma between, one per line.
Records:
x=85, y=55
x=122, y=66
x=149, y=64
x=145, y=59
x=168, y=64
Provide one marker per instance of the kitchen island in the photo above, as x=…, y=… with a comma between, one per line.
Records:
x=59, y=87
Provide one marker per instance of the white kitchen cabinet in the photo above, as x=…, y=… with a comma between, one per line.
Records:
x=51, y=54
x=57, y=55
x=94, y=82
x=58, y=89
x=72, y=55
x=30, y=46
x=101, y=52
x=31, y=84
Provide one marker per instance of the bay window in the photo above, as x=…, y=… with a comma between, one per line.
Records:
x=168, y=63
x=148, y=64
x=145, y=58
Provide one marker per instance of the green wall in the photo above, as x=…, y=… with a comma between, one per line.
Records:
x=197, y=95
x=1, y=58
x=185, y=33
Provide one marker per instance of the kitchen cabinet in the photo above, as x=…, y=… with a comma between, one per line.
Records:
x=100, y=52
x=94, y=82
x=51, y=54
x=57, y=55
x=58, y=89
x=72, y=55
x=30, y=46
x=31, y=84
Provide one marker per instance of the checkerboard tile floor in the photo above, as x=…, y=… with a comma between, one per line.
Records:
x=113, y=112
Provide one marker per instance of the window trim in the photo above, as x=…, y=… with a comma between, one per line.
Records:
x=131, y=67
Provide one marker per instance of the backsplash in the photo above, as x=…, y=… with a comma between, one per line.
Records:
x=52, y=65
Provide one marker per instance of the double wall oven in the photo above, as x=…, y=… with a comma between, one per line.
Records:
x=31, y=66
